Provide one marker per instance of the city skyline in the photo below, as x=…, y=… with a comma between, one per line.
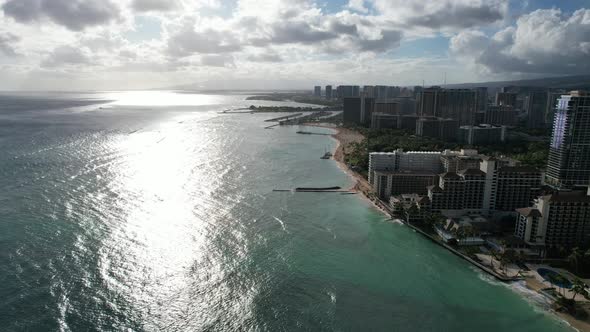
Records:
x=139, y=44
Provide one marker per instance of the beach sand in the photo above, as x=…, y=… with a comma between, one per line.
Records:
x=344, y=137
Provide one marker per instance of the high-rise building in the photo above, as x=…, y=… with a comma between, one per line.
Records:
x=357, y=110
x=535, y=106
x=407, y=105
x=328, y=92
x=398, y=160
x=380, y=92
x=482, y=134
x=559, y=220
x=569, y=152
x=393, y=121
x=393, y=92
x=384, y=121
x=369, y=91
x=517, y=187
x=458, y=192
x=389, y=183
x=387, y=106
x=443, y=129
x=351, y=110
x=495, y=186
x=454, y=161
x=506, y=99
x=457, y=104
x=500, y=116
x=552, y=98
x=482, y=98
x=317, y=91
x=417, y=91
x=345, y=91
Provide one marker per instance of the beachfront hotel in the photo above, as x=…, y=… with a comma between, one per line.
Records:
x=398, y=160
x=558, y=220
x=455, y=182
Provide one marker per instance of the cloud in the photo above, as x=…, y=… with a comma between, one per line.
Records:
x=188, y=41
x=358, y=5
x=298, y=32
x=75, y=15
x=66, y=56
x=7, y=40
x=154, y=5
x=265, y=57
x=442, y=14
x=542, y=42
x=217, y=60
x=459, y=16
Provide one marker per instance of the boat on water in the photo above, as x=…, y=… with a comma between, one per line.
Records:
x=327, y=155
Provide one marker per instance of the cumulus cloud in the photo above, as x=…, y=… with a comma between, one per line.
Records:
x=7, y=40
x=265, y=57
x=223, y=60
x=188, y=41
x=443, y=14
x=73, y=14
x=542, y=42
x=64, y=56
x=154, y=5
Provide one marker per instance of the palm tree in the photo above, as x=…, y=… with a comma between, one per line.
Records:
x=575, y=257
x=559, y=280
x=411, y=211
x=579, y=287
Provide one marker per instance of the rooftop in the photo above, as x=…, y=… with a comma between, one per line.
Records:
x=472, y=171
x=529, y=212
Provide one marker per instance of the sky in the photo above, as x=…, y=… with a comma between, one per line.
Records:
x=286, y=44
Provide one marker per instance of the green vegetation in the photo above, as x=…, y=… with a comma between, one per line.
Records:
x=297, y=97
x=579, y=262
x=278, y=109
x=533, y=154
x=539, y=132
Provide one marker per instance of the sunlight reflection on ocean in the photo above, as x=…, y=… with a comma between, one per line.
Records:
x=143, y=216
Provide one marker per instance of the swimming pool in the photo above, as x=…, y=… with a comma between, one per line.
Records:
x=554, y=278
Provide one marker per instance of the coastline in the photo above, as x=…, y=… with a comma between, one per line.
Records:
x=580, y=325
x=344, y=137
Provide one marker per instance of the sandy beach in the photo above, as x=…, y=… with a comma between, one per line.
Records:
x=344, y=137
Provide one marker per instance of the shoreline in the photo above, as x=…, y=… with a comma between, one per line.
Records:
x=535, y=285
x=344, y=136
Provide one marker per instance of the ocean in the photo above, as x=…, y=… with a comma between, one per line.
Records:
x=150, y=211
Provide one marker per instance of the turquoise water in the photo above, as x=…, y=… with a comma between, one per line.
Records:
x=154, y=218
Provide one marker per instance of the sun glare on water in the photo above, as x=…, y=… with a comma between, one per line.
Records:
x=160, y=98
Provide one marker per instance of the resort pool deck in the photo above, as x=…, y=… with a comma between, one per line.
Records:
x=554, y=278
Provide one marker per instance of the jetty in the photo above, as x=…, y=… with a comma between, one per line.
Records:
x=244, y=110
x=301, y=132
x=316, y=190
x=285, y=117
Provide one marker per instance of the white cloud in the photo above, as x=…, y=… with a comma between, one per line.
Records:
x=295, y=40
x=542, y=42
x=73, y=14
